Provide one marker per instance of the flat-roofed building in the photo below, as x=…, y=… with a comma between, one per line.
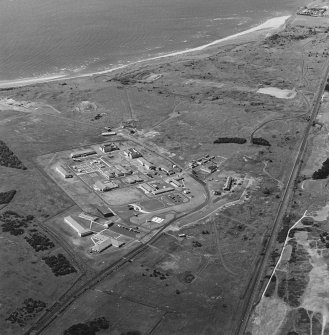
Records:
x=117, y=172
x=117, y=242
x=122, y=230
x=175, y=183
x=83, y=153
x=101, y=245
x=228, y=183
x=132, y=153
x=104, y=187
x=64, y=172
x=87, y=217
x=108, y=147
x=105, y=211
x=106, y=238
x=146, y=188
x=146, y=163
x=108, y=133
x=133, y=179
x=108, y=174
x=163, y=190
x=77, y=227
x=168, y=170
x=130, y=180
x=122, y=169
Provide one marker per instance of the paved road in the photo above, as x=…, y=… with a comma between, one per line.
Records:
x=252, y=297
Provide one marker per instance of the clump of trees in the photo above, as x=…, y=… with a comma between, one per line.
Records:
x=324, y=237
x=260, y=141
x=6, y=197
x=14, y=223
x=157, y=273
x=59, y=265
x=238, y=140
x=196, y=244
x=8, y=158
x=323, y=172
x=39, y=242
x=29, y=309
x=327, y=86
x=88, y=328
x=286, y=223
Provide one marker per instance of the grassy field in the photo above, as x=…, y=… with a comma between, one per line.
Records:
x=193, y=285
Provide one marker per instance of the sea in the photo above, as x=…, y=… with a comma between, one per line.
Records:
x=70, y=37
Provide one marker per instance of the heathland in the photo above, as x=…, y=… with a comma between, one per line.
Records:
x=230, y=118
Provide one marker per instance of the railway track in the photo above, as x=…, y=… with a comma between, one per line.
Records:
x=252, y=297
x=74, y=293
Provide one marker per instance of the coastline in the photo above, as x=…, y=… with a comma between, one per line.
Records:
x=268, y=25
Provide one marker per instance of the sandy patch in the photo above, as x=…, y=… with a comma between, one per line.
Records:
x=278, y=93
x=322, y=214
x=270, y=314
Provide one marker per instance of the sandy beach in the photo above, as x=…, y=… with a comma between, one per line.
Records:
x=268, y=26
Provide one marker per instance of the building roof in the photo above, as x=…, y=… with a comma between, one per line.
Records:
x=104, y=209
x=76, y=226
x=119, y=230
x=63, y=170
x=83, y=152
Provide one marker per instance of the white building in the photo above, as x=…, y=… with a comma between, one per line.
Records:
x=64, y=172
x=77, y=227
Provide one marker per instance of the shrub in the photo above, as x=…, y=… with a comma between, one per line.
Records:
x=14, y=223
x=8, y=158
x=27, y=311
x=39, y=242
x=6, y=197
x=323, y=172
x=238, y=140
x=260, y=141
x=59, y=265
x=88, y=328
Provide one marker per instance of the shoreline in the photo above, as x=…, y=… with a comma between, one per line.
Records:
x=270, y=24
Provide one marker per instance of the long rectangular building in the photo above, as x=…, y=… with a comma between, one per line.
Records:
x=228, y=184
x=102, y=245
x=146, y=163
x=100, y=186
x=108, y=147
x=83, y=153
x=77, y=227
x=105, y=211
x=64, y=172
x=87, y=217
x=163, y=190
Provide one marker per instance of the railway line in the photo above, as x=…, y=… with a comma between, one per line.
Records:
x=252, y=297
x=74, y=293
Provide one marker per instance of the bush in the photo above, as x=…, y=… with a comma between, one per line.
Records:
x=238, y=140
x=8, y=158
x=260, y=141
x=29, y=309
x=59, y=265
x=6, y=197
x=323, y=172
x=88, y=328
x=286, y=223
x=39, y=242
x=14, y=223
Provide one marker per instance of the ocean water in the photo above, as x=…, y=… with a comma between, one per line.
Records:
x=44, y=37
